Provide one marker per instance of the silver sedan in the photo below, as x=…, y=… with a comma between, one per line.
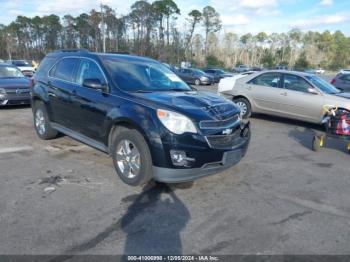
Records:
x=287, y=94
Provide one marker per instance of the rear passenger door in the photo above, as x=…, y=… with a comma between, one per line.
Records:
x=265, y=91
x=298, y=102
x=61, y=86
x=91, y=104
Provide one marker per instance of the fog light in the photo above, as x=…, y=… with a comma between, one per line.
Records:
x=179, y=158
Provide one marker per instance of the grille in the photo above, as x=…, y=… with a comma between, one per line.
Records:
x=224, y=141
x=214, y=124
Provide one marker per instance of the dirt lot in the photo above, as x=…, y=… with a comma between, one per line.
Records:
x=282, y=198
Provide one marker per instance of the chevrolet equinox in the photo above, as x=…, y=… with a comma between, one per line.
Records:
x=146, y=118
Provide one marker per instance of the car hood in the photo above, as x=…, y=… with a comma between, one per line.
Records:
x=14, y=83
x=26, y=68
x=196, y=105
x=206, y=75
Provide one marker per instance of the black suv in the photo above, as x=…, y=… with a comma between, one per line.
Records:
x=138, y=111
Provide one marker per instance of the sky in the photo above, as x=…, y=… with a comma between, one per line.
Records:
x=239, y=16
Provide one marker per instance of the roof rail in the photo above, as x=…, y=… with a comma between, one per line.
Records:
x=72, y=50
x=120, y=53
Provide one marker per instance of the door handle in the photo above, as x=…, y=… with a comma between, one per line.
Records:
x=73, y=93
x=284, y=94
x=51, y=85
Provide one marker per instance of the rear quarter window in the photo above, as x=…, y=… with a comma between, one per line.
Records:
x=45, y=65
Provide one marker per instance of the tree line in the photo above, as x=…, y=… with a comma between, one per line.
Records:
x=153, y=30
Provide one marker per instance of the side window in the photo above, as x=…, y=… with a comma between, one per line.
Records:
x=345, y=77
x=65, y=69
x=45, y=65
x=269, y=80
x=89, y=70
x=296, y=83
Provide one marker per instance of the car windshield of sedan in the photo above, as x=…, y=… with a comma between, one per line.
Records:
x=199, y=72
x=323, y=85
x=135, y=76
x=10, y=72
x=21, y=63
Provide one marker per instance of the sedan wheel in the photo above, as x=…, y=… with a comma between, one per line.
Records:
x=244, y=106
x=197, y=82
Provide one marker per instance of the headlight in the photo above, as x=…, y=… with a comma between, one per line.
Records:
x=175, y=122
x=2, y=93
x=204, y=78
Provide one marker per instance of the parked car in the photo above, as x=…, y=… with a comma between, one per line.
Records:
x=344, y=71
x=138, y=111
x=195, y=76
x=14, y=86
x=217, y=74
x=294, y=95
x=342, y=82
x=310, y=71
x=320, y=71
x=241, y=69
x=282, y=67
x=25, y=66
x=256, y=69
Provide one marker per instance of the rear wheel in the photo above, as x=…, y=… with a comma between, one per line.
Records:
x=245, y=107
x=42, y=123
x=131, y=157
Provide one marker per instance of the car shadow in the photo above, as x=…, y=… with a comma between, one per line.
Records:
x=154, y=221
x=288, y=121
x=13, y=107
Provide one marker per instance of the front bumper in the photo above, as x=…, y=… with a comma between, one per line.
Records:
x=15, y=98
x=227, y=158
x=208, y=82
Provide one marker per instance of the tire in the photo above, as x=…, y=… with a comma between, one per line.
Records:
x=316, y=144
x=131, y=157
x=245, y=107
x=42, y=122
x=197, y=82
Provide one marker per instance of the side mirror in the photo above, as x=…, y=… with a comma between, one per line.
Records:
x=94, y=84
x=313, y=91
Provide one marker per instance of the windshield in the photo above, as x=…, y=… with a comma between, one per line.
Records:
x=323, y=85
x=144, y=76
x=199, y=72
x=21, y=63
x=221, y=71
x=10, y=72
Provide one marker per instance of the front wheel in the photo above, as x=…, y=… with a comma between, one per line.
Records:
x=131, y=157
x=197, y=82
x=245, y=107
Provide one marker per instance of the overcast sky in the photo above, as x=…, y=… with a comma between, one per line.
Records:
x=240, y=16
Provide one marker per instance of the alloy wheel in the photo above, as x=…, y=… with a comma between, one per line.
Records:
x=128, y=158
